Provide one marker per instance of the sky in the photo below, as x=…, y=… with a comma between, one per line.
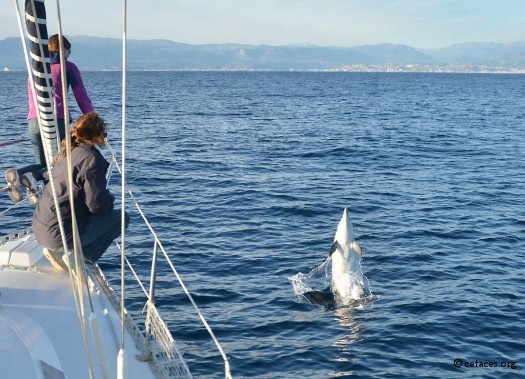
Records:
x=344, y=23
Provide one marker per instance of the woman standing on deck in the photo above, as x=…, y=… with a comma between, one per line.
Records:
x=28, y=175
x=74, y=81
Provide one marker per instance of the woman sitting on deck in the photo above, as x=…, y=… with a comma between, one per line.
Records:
x=98, y=223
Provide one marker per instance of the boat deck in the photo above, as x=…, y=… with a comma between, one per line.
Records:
x=39, y=325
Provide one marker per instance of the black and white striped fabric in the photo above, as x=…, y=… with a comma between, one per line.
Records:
x=35, y=15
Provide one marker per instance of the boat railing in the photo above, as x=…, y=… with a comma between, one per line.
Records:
x=155, y=327
x=161, y=345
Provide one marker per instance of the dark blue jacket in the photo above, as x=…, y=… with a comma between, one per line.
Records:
x=89, y=193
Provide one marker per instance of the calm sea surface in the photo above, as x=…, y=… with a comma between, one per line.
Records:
x=245, y=177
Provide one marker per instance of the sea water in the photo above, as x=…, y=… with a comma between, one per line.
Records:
x=244, y=176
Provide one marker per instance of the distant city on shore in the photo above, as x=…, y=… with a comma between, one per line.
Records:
x=105, y=54
x=431, y=68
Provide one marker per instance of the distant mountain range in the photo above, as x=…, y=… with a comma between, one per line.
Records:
x=93, y=53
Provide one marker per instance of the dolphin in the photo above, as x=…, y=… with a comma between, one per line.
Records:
x=348, y=282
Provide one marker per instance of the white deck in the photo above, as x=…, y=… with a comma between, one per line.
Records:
x=39, y=328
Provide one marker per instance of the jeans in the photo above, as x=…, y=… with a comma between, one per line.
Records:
x=100, y=232
x=40, y=167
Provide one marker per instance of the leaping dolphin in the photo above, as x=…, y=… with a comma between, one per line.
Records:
x=348, y=282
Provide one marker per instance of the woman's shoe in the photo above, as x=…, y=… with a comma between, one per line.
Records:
x=55, y=258
x=13, y=184
x=29, y=182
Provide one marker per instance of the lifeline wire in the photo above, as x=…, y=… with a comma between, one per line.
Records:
x=69, y=172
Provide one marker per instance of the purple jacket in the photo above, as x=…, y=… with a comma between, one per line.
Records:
x=74, y=80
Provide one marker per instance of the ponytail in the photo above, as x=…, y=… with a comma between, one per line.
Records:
x=89, y=129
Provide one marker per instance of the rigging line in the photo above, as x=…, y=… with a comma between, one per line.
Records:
x=23, y=31
x=79, y=266
x=47, y=76
x=139, y=282
x=132, y=197
x=77, y=247
x=48, y=151
x=121, y=359
x=195, y=306
x=13, y=141
x=16, y=205
x=47, y=155
x=69, y=170
x=48, y=158
x=203, y=320
x=123, y=174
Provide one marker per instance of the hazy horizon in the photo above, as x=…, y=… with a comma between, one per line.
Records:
x=426, y=24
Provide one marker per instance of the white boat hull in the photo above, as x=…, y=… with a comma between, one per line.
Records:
x=39, y=326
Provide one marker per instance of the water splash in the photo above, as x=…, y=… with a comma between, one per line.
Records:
x=316, y=280
x=315, y=286
x=352, y=284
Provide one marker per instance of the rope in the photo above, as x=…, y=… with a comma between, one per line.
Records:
x=157, y=240
x=121, y=360
x=69, y=175
x=12, y=142
x=43, y=92
x=32, y=17
x=123, y=173
x=80, y=309
x=16, y=205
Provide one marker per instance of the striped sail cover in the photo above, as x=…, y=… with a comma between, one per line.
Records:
x=35, y=15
